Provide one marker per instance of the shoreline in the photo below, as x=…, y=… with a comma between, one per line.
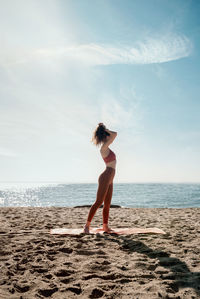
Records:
x=35, y=264
x=89, y=205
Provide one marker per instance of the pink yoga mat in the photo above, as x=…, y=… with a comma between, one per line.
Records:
x=96, y=230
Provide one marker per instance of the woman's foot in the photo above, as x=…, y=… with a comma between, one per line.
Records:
x=107, y=229
x=86, y=229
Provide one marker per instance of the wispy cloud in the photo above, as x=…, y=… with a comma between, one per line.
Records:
x=152, y=50
x=7, y=153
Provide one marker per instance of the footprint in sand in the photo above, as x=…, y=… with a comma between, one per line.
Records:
x=4, y=253
x=47, y=292
x=21, y=288
x=66, y=280
x=100, y=266
x=96, y=293
x=90, y=276
x=64, y=273
x=112, y=276
x=172, y=287
x=85, y=252
x=48, y=276
x=76, y=290
x=124, y=280
x=66, y=250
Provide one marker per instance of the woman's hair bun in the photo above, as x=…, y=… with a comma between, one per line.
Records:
x=99, y=135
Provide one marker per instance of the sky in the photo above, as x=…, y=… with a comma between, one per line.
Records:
x=67, y=65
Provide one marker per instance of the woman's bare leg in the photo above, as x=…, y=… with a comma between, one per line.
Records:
x=101, y=193
x=106, y=207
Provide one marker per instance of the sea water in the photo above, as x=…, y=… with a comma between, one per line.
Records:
x=150, y=195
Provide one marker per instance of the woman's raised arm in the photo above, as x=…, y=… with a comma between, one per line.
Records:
x=109, y=138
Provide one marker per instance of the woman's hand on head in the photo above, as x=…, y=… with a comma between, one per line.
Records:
x=109, y=139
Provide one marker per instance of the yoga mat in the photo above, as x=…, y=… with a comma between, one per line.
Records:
x=96, y=230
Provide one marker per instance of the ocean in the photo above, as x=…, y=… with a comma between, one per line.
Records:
x=144, y=195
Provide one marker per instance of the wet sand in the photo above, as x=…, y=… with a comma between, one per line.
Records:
x=35, y=264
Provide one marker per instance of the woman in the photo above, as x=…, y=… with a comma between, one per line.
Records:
x=103, y=137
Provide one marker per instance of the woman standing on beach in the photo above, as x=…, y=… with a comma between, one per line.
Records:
x=103, y=137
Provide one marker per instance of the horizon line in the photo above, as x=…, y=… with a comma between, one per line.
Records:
x=134, y=182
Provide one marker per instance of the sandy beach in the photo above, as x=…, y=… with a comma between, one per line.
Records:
x=35, y=264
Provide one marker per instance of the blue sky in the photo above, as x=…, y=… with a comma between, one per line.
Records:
x=67, y=65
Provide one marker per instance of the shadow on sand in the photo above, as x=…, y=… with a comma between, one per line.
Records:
x=180, y=275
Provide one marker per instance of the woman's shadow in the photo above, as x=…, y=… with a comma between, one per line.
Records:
x=180, y=275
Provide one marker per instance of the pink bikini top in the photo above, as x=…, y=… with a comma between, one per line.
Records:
x=111, y=157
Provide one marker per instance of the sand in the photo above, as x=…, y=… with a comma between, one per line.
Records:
x=35, y=264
